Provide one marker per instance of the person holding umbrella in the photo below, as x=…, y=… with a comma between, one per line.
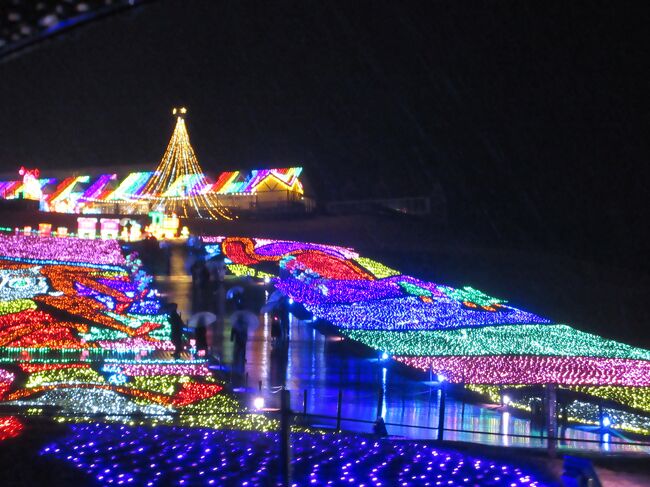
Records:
x=200, y=322
x=242, y=320
x=177, y=324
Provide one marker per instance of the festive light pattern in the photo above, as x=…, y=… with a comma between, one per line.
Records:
x=123, y=388
x=98, y=189
x=6, y=378
x=578, y=411
x=379, y=270
x=177, y=183
x=285, y=179
x=60, y=249
x=131, y=186
x=101, y=302
x=622, y=420
x=29, y=187
x=530, y=369
x=180, y=456
x=67, y=295
x=64, y=293
x=333, y=286
x=498, y=340
x=243, y=270
x=64, y=190
x=638, y=398
x=411, y=313
x=10, y=427
x=465, y=334
x=76, y=194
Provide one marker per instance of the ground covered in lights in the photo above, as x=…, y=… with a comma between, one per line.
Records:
x=123, y=455
x=85, y=369
x=82, y=334
x=461, y=334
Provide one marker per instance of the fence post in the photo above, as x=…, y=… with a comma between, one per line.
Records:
x=380, y=401
x=338, y=410
x=285, y=438
x=551, y=417
x=462, y=413
x=441, y=413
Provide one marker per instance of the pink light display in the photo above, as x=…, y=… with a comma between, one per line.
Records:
x=69, y=250
x=6, y=378
x=195, y=369
x=532, y=369
x=135, y=344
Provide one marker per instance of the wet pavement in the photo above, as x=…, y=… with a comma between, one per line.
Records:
x=319, y=368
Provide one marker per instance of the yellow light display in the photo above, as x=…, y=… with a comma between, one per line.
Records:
x=179, y=161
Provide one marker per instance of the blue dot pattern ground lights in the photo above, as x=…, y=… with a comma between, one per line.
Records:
x=121, y=455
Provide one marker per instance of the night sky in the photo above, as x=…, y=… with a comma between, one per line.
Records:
x=533, y=116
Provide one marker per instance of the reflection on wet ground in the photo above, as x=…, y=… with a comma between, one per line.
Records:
x=315, y=367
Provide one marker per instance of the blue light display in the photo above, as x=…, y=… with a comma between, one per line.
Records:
x=125, y=455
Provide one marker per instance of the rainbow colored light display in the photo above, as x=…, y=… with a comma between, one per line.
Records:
x=237, y=182
x=63, y=296
x=77, y=194
x=462, y=334
x=178, y=186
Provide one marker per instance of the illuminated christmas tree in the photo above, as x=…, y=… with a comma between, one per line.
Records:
x=179, y=185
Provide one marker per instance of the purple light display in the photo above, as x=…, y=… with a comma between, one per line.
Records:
x=62, y=249
x=123, y=455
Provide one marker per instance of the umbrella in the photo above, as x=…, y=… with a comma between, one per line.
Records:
x=300, y=312
x=272, y=302
x=275, y=296
x=203, y=318
x=234, y=291
x=216, y=266
x=244, y=320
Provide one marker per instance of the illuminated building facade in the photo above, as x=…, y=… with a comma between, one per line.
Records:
x=177, y=186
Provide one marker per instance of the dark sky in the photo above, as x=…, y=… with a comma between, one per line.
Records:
x=532, y=115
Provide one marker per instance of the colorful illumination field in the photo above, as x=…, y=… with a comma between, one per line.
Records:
x=81, y=332
x=77, y=191
x=462, y=334
x=81, y=336
x=123, y=455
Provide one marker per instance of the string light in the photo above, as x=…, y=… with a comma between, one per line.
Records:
x=179, y=164
x=498, y=340
x=412, y=313
x=530, y=369
x=61, y=249
x=379, y=270
x=180, y=456
x=463, y=334
x=93, y=294
x=6, y=378
x=10, y=427
x=635, y=397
